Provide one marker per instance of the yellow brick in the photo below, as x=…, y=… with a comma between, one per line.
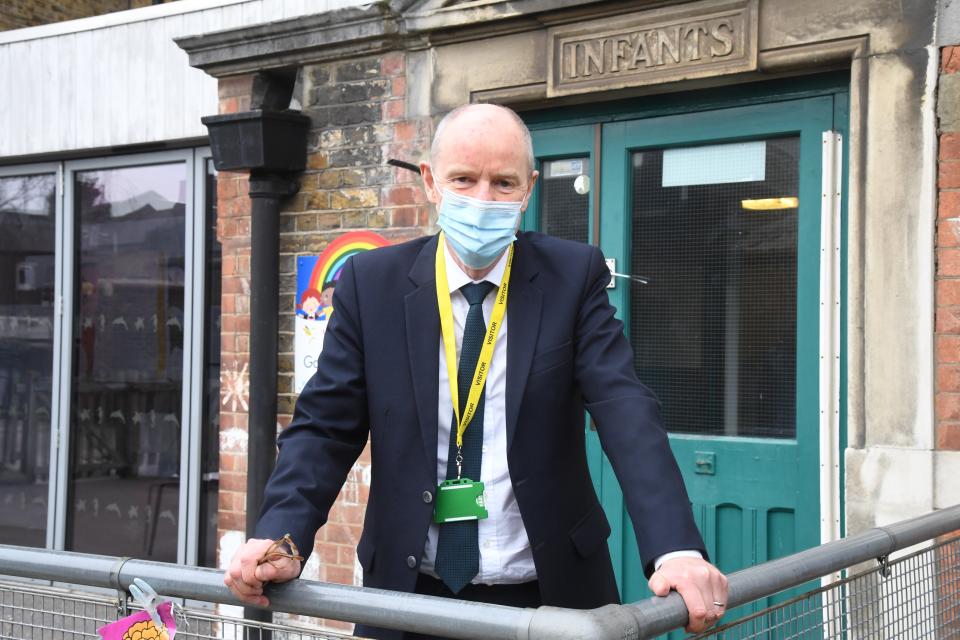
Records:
x=354, y=198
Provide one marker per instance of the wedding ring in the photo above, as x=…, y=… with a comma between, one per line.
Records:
x=719, y=604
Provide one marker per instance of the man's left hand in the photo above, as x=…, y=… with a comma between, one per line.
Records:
x=700, y=584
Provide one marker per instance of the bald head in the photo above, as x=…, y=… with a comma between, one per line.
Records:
x=483, y=119
x=482, y=151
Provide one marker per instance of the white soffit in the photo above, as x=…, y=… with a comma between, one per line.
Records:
x=119, y=79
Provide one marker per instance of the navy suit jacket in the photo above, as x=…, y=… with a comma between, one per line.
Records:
x=378, y=377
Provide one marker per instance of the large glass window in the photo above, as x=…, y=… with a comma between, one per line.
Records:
x=110, y=356
x=714, y=331
x=27, y=238
x=128, y=336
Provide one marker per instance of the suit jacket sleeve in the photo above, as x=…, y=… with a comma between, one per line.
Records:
x=627, y=415
x=328, y=431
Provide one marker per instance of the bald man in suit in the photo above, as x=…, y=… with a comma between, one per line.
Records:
x=385, y=375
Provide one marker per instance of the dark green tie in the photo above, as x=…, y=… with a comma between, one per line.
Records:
x=458, y=556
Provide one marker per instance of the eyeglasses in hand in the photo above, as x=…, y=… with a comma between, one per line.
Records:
x=281, y=548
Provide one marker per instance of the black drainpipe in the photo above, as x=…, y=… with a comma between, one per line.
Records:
x=266, y=193
x=270, y=142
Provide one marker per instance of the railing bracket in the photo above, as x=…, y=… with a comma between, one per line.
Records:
x=885, y=569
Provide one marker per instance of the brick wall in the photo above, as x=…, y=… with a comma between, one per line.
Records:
x=948, y=285
x=358, y=114
x=948, y=253
x=233, y=231
x=16, y=14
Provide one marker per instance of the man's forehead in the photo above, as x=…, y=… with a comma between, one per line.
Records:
x=482, y=137
x=453, y=162
x=491, y=120
x=495, y=150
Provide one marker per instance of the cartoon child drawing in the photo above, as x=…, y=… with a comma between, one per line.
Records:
x=309, y=304
x=326, y=300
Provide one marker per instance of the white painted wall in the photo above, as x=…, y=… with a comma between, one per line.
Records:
x=119, y=79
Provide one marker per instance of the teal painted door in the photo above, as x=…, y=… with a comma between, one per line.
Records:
x=562, y=207
x=719, y=212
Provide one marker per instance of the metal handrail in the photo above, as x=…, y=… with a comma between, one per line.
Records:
x=470, y=620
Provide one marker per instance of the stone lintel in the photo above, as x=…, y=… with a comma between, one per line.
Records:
x=349, y=32
x=381, y=26
x=655, y=46
x=434, y=15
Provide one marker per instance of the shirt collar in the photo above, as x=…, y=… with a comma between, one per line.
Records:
x=456, y=278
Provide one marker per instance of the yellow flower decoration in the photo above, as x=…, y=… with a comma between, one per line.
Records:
x=145, y=630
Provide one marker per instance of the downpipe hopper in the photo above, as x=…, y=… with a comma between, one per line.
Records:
x=270, y=138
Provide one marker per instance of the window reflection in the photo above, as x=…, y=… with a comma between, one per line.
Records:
x=128, y=361
x=27, y=221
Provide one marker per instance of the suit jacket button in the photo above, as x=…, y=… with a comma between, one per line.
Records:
x=411, y=562
x=427, y=497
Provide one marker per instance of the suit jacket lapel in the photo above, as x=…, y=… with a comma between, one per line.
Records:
x=524, y=306
x=423, y=340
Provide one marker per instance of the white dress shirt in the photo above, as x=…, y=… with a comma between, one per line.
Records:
x=505, y=553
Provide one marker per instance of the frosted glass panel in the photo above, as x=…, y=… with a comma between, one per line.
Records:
x=715, y=164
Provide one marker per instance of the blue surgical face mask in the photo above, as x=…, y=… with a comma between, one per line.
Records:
x=478, y=230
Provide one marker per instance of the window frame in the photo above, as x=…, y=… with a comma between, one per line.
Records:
x=195, y=236
x=56, y=377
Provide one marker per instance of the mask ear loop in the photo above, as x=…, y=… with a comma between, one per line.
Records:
x=525, y=201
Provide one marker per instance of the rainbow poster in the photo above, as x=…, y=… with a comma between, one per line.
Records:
x=317, y=277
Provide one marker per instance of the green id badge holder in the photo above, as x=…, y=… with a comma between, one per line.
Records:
x=459, y=500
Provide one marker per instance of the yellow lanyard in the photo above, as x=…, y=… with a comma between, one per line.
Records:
x=449, y=341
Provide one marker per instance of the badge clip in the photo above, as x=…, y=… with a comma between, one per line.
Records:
x=458, y=501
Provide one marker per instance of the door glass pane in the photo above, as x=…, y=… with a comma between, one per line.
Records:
x=127, y=361
x=210, y=447
x=27, y=213
x=564, y=213
x=714, y=331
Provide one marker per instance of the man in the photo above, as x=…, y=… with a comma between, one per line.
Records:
x=473, y=389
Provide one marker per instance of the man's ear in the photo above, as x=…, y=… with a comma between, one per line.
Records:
x=429, y=183
x=533, y=181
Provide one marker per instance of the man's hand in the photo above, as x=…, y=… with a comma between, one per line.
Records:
x=700, y=584
x=247, y=574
